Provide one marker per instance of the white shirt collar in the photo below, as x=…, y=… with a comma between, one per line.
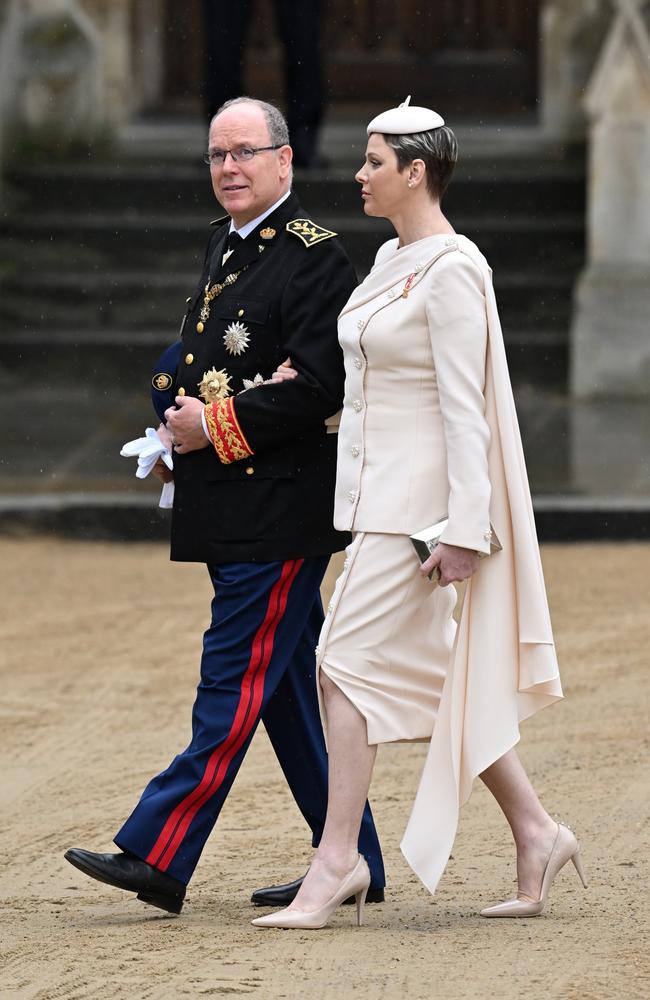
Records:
x=248, y=227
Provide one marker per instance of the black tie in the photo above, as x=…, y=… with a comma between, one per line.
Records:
x=233, y=241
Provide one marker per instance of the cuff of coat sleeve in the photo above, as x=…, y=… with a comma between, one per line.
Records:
x=476, y=539
x=224, y=431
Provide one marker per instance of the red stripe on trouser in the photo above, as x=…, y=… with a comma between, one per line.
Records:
x=250, y=700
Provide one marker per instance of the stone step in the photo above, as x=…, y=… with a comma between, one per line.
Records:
x=480, y=186
x=125, y=358
x=146, y=300
x=122, y=241
x=96, y=259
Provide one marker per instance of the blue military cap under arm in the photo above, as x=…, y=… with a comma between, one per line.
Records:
x=164, y=375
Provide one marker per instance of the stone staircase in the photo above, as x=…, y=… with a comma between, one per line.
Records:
x=97, y=259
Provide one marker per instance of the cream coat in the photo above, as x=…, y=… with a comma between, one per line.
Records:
x=413, y=438
x=429, y=427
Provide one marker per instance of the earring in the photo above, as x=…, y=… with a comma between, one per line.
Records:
x=410, y=184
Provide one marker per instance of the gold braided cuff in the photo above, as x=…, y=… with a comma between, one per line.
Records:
x=225, y=433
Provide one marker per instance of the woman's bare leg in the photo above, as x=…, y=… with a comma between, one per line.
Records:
x=532, y=828
x=351, y=763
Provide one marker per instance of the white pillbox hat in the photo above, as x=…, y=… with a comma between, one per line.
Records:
x=405, y=119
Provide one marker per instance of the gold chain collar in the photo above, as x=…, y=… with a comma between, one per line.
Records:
x=217, y=289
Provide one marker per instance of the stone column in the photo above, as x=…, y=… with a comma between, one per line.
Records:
x=10, y=32
x=571, y=35
x=610, y=336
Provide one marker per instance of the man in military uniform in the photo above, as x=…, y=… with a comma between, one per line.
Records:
x=254, y=470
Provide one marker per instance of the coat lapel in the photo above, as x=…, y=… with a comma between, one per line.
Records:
x=392, y=273
x=218, y=250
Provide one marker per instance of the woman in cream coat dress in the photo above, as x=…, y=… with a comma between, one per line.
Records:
x=428, y=430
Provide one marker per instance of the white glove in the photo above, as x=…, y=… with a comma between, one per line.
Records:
x=148, y=450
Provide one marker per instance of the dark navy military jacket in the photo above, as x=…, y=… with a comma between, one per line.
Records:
x=288, y=287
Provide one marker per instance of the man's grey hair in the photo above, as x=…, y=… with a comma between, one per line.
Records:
x=438, y=148
x=275, y=120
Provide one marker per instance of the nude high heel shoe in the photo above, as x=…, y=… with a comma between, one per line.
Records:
x=566, y=848
x=355, y=883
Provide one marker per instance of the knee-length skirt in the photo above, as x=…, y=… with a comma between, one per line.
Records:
x=387, y=639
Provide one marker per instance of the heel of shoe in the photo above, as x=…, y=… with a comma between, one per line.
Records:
x=171, y=904
x=577, y=863
x=361, y=899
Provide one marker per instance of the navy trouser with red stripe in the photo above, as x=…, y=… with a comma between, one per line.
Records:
x=258, y=663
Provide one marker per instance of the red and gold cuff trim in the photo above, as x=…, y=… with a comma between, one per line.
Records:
x=225, y=433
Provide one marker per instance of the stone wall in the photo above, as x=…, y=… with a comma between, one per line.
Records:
x=117, y=60
x=73, y=71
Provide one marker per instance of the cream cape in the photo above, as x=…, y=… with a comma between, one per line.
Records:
x=503, y=667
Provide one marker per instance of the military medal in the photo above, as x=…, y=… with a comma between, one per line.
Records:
x=236, y=338
x=214, y=385
x=211, y=293
x=253, y=383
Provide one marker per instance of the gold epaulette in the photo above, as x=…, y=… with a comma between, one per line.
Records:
x=309, y=232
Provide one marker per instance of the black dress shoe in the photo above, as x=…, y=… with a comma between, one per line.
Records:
x=282, y=895
x=125, y=871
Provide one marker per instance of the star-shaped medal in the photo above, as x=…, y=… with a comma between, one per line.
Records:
x=252, y=383
x=236, y=338
x=214, y=385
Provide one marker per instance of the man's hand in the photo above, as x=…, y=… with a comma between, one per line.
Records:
x=453, y=563
x=185, y=425
x=165, y=436
x=161, y=472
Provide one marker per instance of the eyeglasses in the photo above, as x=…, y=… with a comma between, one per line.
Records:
x=217, y=157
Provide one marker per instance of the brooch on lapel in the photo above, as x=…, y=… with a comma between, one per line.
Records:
x=214, y=385
x=407, y=286
x=236, y=338
x=267, y=234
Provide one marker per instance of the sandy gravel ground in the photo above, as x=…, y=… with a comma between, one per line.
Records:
x=100, y=647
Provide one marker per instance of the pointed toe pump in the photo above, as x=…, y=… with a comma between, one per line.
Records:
x=355, y=883
x=565, y=848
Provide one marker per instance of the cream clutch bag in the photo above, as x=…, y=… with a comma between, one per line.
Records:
x=425, y=541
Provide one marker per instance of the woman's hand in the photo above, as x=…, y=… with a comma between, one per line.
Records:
x=452, y=563
x=283, y=373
